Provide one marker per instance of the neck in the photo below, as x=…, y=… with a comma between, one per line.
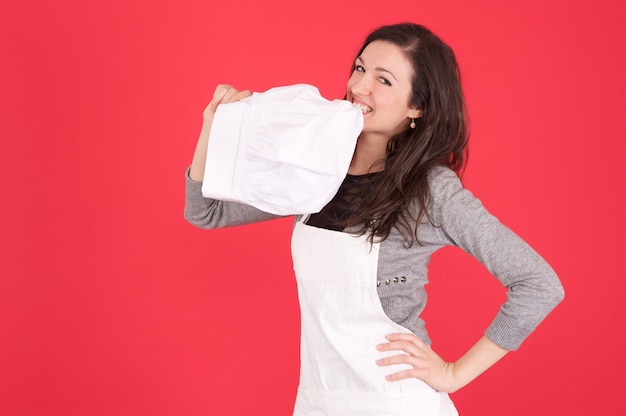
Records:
x=369, y=156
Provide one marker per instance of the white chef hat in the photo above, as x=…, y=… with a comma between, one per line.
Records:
x=285, y=151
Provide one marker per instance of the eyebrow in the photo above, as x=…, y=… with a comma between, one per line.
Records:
x=378, y=68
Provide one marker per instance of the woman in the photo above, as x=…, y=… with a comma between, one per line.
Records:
x=365, y=349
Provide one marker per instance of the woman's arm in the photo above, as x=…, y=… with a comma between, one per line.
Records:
x=223, y=94
x=432, y=369
x=205, y=212
x=533, y=288
x=211, y=213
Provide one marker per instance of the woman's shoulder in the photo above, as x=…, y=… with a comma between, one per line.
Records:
x=443, y=183
x=444, y=186
x=448, y=196
x=440, y=175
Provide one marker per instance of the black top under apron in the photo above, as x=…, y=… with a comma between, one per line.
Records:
x=347, y=198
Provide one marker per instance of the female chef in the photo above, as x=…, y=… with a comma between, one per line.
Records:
x=361, y=262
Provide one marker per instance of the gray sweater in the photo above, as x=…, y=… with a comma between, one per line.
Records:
x=461, y=221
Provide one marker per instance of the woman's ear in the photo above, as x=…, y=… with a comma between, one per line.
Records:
x=416, y=113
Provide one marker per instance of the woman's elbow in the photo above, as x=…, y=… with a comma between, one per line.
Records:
x=555, y=292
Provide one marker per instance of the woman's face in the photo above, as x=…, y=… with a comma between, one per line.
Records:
x=380, y=86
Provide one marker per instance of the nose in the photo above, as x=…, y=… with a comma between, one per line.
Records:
x=361, y=85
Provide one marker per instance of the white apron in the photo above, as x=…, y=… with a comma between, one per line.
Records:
x=342, y=322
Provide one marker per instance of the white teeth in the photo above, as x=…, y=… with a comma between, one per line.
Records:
x=364, y=109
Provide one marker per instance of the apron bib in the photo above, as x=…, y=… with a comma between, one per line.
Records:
x=342, y=322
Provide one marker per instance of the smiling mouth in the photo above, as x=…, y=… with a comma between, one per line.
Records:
x=364, y=109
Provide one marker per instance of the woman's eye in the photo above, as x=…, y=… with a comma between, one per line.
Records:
x=384, y=81
x=359, y=68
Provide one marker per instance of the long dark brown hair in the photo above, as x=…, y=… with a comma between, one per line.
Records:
x=439, y=138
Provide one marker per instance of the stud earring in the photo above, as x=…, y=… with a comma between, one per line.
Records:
x=412, y=125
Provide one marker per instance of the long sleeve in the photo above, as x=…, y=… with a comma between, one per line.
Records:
x=533, y=287
x=209, y=213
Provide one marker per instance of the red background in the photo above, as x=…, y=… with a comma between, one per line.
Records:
x=110, y=304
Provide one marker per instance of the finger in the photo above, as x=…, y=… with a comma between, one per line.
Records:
x=401, y=375
x=405, y=346
x=212, y=107
x=398, y=359
x=396, y=346
x=412, y=338
x=419, y=367
x=234, y=96
x=241, y=95
x=221, y=91
x=227, y=96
